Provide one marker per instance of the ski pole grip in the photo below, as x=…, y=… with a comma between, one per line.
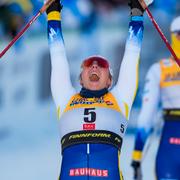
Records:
x=143, y=4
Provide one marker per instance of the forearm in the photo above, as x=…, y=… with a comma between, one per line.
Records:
x=140, y=140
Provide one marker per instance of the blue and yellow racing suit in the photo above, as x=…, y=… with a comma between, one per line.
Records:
x=162, y=85
x=92, y=128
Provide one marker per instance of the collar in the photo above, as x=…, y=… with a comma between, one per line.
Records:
x=86, y=93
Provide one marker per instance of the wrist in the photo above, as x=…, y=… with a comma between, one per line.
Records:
x=54, y=16
x=136, y=164
x=137, y=18
x=137, y=155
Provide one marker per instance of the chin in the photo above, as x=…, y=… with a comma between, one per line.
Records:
x=94, y=87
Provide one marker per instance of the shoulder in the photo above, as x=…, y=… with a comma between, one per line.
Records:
x=154, y=69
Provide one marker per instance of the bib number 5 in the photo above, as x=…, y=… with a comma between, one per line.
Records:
x=89, y=115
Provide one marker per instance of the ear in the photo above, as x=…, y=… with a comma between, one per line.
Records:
x=80, y=80
x=109, y=82
x=81, y=83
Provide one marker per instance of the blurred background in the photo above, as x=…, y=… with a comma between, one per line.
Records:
x=29, y=142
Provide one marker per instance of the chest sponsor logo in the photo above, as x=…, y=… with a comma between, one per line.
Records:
x=90, y=135
x=89, y=126
x=88, y=172
x=174, y=140
x=172, y=77
x=81, y=101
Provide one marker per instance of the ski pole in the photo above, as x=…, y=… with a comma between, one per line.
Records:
x=144, y=6
x=41, y=11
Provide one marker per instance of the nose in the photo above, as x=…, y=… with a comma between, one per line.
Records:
x=95, y=65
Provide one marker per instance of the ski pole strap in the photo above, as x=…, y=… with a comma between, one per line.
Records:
x=95, y=136
x=171, y=114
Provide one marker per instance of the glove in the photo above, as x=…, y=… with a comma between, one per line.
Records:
x=55, y=6
x=136, y=165
x=136, y=8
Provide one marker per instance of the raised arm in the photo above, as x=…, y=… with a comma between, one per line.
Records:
x=127, y=83
x=61, y=85
x=128, y=76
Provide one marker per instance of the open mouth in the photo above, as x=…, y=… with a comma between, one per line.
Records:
x=94, y=77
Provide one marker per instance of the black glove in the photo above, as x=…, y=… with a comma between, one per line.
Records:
x=136, y=165
x=136, y=8
x=55, y=6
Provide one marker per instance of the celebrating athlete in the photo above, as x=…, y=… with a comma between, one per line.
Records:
x=162, y=85
x=93, y=121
